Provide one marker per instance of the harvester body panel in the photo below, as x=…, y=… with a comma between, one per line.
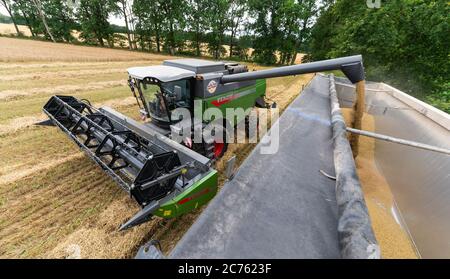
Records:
x=197, y=195
x=243, y=97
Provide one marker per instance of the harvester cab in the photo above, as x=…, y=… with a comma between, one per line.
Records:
x=159, y=90
x=165, y=177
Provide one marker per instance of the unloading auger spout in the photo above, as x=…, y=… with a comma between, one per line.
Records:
x=351, y=66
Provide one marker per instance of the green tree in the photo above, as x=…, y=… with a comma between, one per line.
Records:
x=282, y=27
x=40, y=11
x=244, y=43
x=149, y=23
x=405, y=42
x=268, y=15
x=308, y=10
x=290, y=13
x=60, y=18
x=161, y=19
x=196, y=20
x=217, y=23
x=53, y=19
x=25, y=9
x=322, y=32
x=236, y=14
x=124, y=9
x=93, y=17
x=172, y=13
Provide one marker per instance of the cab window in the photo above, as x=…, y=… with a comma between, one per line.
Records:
x=178, y=93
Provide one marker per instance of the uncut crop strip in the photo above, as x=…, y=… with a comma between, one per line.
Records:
x=17, y=124
x=64, y=69
x=63, y=65
x=63, y=74
x=62, y=89
x=19, y=50
x=31, y=106
x=53, y=82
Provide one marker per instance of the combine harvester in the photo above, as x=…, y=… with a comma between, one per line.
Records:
x=169, y=178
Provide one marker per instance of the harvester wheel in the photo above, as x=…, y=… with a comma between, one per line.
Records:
x=214, y=150
x=219, y=149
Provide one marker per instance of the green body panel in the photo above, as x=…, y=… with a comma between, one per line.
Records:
x=244, y=98
x=195, y=196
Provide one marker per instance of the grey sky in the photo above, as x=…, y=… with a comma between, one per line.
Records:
x=117, y=20
x=3, y=11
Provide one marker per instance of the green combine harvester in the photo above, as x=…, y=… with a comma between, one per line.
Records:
x=159, y=90
x=169, y=178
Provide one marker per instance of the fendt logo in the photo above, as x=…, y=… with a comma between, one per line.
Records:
x=212, y=86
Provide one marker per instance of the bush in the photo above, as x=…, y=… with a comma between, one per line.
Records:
x=441, y=98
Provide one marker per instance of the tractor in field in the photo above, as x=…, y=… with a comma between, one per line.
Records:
x=166, y=177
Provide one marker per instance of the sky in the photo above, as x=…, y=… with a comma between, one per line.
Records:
x=116, y=20
x=3, y=11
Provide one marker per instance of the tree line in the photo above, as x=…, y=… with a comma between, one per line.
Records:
x=404, y=42
x=276, y=29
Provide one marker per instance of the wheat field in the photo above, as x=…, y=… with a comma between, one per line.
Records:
x=8, y=29
x=52, y=197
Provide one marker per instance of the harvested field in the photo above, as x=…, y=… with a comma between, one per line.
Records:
x=55, y=202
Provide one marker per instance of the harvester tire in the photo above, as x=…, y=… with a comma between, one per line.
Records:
x=215, y=150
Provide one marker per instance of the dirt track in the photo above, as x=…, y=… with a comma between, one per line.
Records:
x=54, y=202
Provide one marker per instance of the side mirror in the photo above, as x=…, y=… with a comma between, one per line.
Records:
x=178, y=93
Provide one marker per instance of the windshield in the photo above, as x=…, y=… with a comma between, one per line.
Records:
x=162, y=99
x=154, y=101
